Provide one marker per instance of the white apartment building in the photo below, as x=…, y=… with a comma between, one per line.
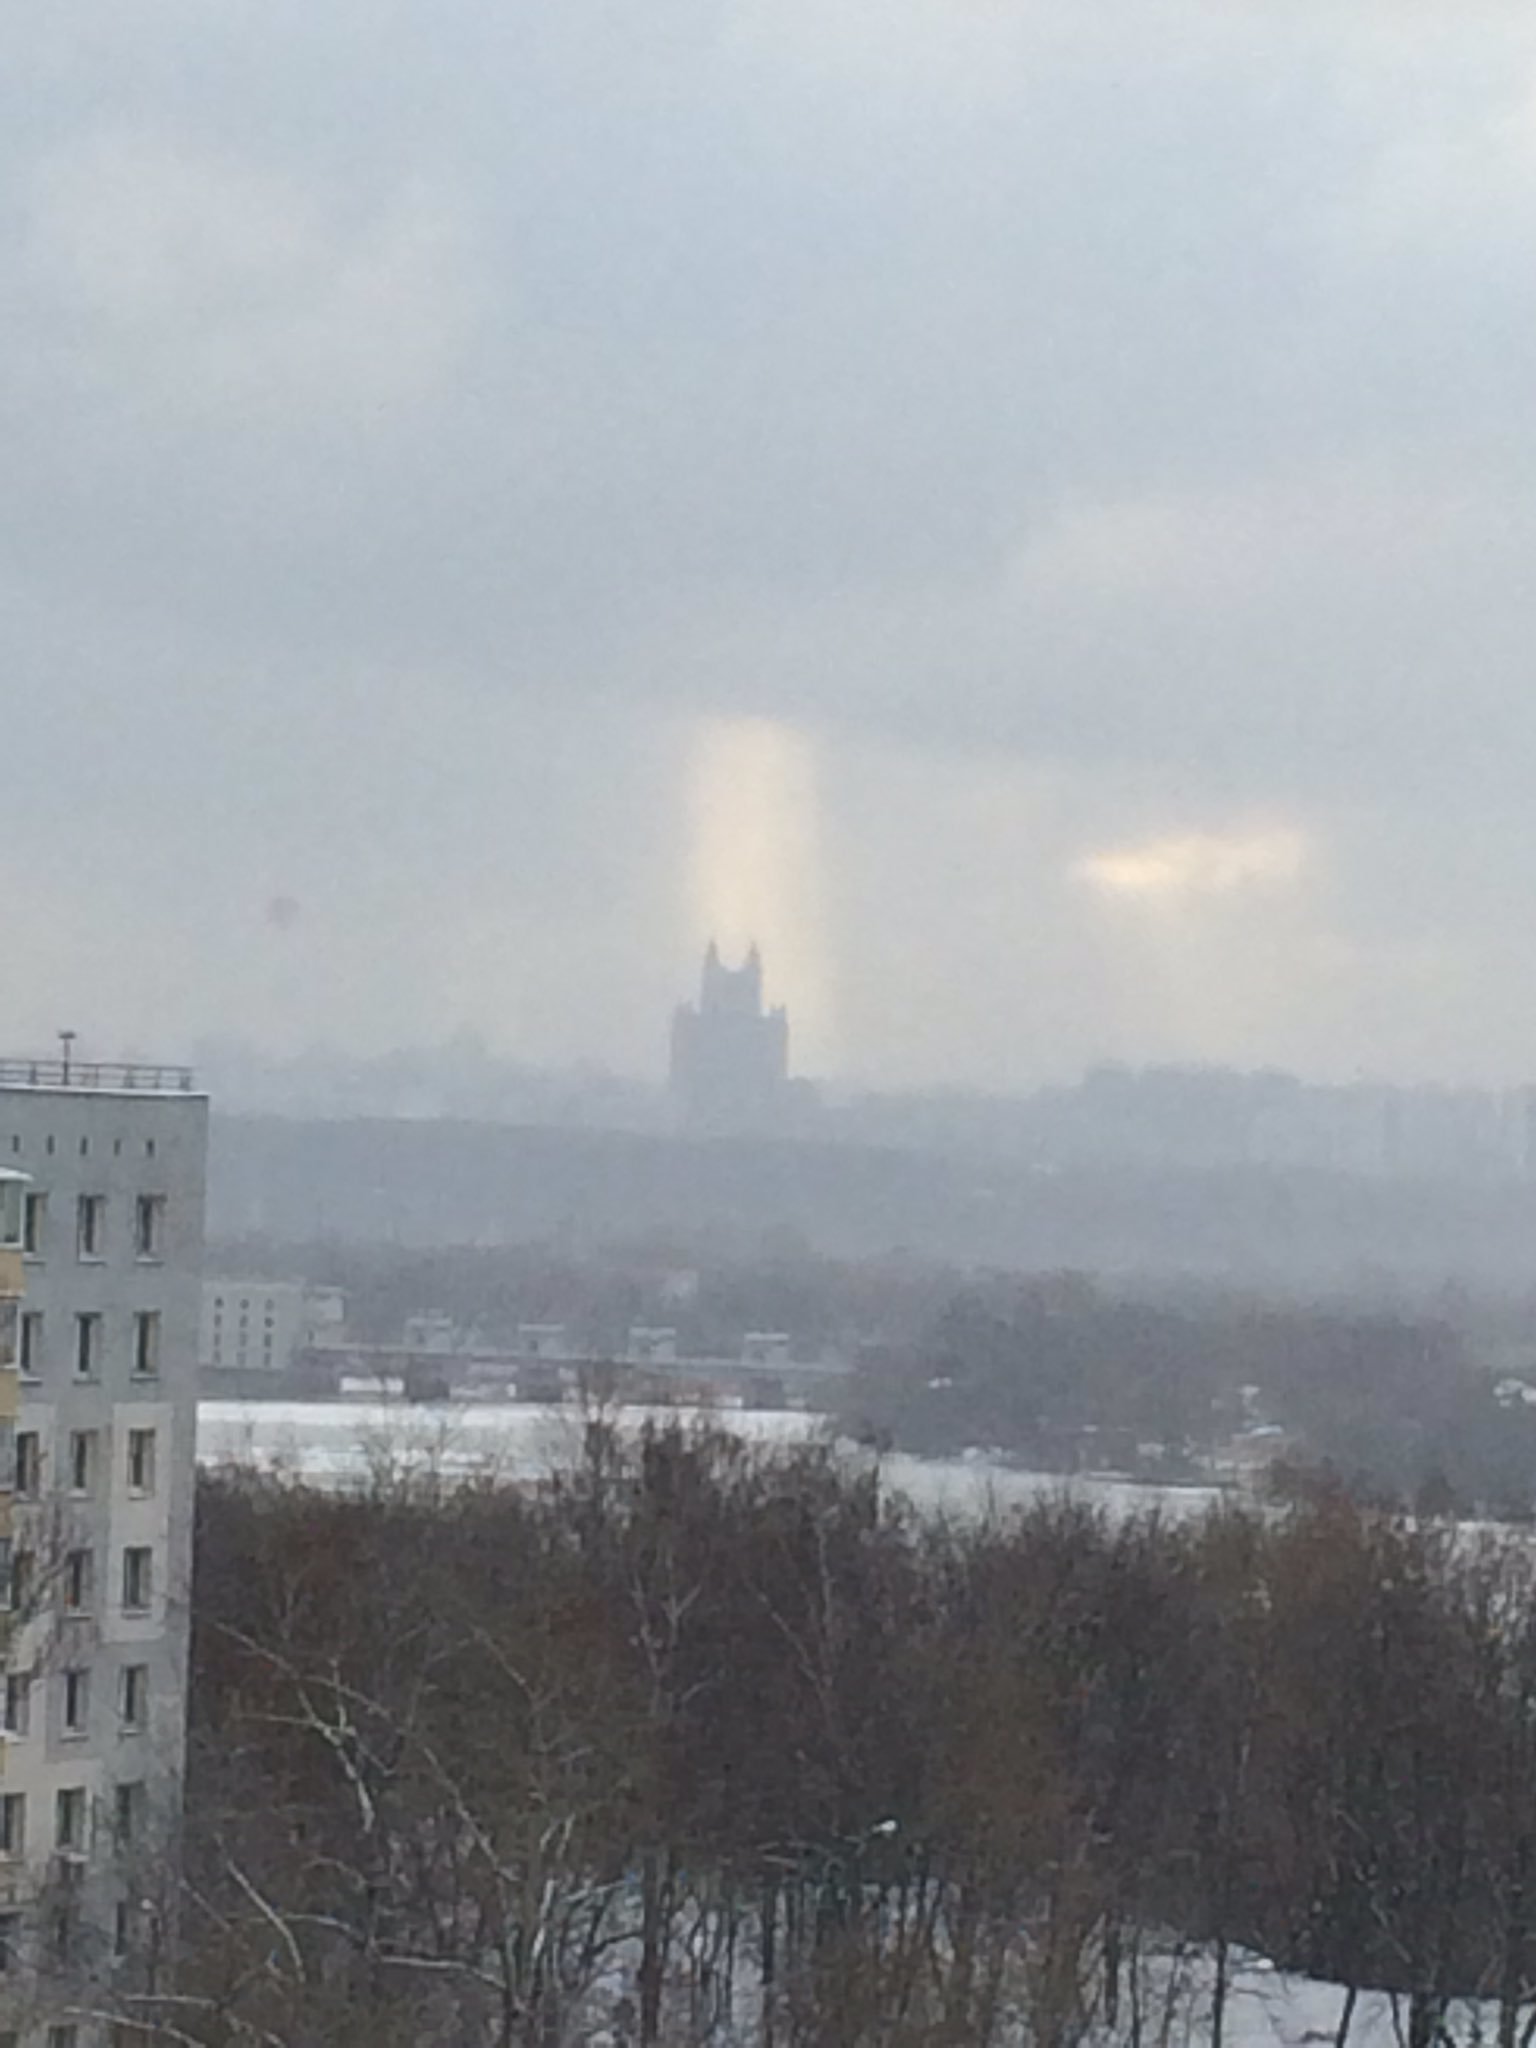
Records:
x=97, y=1563
x=259, y=1325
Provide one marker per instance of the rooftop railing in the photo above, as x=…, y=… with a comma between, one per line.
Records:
x=111, y=1076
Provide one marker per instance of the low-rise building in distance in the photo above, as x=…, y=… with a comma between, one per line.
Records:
x=263, y=1325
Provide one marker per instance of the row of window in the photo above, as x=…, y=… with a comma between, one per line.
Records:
x=242, y=1344
x=91, y=1226
x=132, y=1701
x=21, y=1462
x=71, y=1819
x=25, y=1336
x=22, y=1582
x=51, y=1146
x=268, y=1321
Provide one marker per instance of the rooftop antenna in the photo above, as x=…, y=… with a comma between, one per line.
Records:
x=67, y=1043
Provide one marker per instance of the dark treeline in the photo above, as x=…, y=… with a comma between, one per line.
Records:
x=702, y=1745
x=1063, y=1374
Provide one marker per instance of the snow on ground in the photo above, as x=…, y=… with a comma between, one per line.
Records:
x=1268, y=2009
x=344, y=1443
x=347, y=1442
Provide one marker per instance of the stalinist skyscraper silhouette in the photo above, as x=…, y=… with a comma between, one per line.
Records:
x=730, y=1055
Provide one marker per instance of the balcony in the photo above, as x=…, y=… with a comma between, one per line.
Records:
x=108, y=1077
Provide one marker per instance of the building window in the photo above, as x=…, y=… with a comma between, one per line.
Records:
x=138, y=1578
x=69, y=1819
x=122, y=1945
x=15, y=1577
x=149, y=1227
x=32, y=1344
x=29, y=1464
x=77, y=1581
x=133, y=1698
x=7, y=1456
x=10, y=1942
x=10, y=1325
x=34, y=1225
x=91, y=1226
x=141, y=1461
x=64, y=2036
x=66, y=1915
x=18, y=1703
x=77, y=1702
x=82, y=1461
x=128, y=1809
x=146, y=1343
x=87, y=1344
x=13, y=1826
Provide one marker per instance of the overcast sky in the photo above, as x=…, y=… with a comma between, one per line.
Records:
x=1027, y=507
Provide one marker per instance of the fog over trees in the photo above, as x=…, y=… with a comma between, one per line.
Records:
x=423, y=1183
x=1406, y=1393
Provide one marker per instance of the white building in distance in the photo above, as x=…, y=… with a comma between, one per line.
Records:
x=261, y=1325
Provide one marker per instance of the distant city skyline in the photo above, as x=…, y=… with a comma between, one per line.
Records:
x=730, y=1072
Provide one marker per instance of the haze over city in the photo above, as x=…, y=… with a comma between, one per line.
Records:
x=768, y=1093
x=1023, y=513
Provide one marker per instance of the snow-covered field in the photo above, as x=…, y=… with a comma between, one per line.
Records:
x=1267, y=2009
x=344, y=1443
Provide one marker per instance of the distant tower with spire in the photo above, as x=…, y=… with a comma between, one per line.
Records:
x=730, y=1055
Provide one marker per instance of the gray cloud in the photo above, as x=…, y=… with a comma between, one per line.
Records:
x=413, y=421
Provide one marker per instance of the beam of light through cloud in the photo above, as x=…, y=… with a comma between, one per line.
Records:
x=1208, y=927
x=755, y=866
x=1182, y=867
